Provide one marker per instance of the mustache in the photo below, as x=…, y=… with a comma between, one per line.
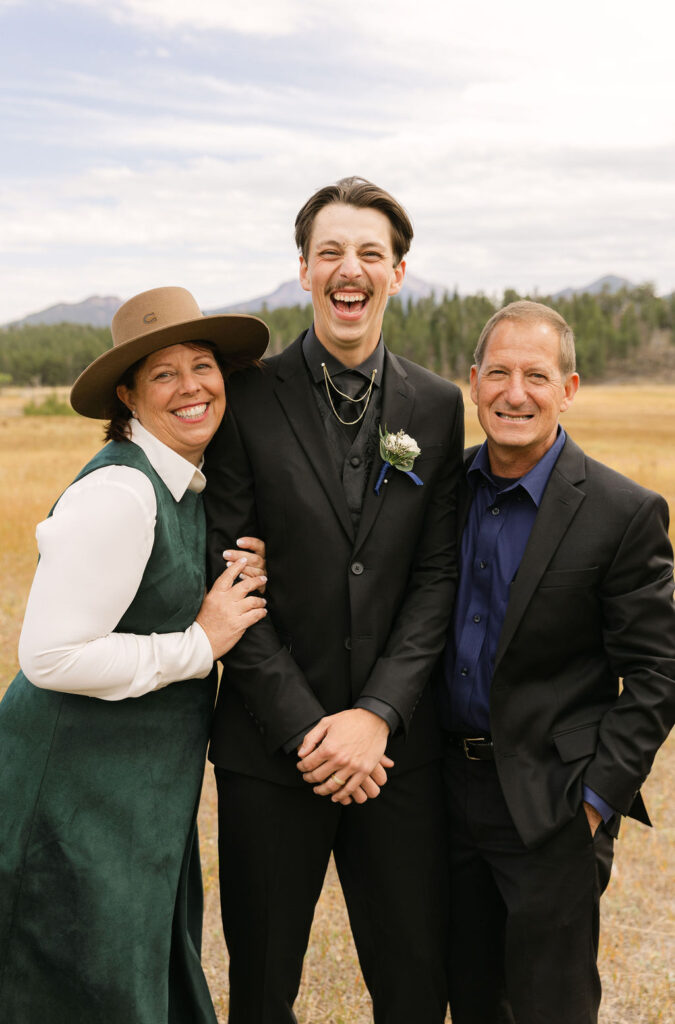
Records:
x=359, y=286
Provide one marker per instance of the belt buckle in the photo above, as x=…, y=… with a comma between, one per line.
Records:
x=471, y=739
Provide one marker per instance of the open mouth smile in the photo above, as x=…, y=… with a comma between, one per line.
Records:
x=349, y=303
x=191, y=413
x=510, y=418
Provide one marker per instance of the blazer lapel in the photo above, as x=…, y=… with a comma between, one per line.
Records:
x=293, y=389
x=398, y=402
x=558, y=507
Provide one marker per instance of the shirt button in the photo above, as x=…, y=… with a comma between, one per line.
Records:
x=476, y=618
x=495, y=510
x=357, y=568
x=483, y=565
x=355, y=461
x=464, y=672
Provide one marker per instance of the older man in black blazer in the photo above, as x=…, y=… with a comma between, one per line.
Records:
x=325, y=735
x=566, y=588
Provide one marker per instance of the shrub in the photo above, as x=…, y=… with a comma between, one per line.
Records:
x=52, y=405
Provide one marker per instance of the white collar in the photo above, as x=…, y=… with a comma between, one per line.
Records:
x=178, y=474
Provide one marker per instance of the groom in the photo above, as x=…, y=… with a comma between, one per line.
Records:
x=324, y=737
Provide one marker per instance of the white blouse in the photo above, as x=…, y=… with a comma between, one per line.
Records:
x=93, y=552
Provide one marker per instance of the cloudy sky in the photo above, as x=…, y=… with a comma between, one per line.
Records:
x=149, y=142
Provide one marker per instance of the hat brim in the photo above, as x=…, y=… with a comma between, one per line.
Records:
x=235, y=335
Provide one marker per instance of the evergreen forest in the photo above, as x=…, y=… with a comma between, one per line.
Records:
x=613, y=330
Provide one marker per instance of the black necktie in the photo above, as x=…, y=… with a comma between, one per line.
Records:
x=354, y=385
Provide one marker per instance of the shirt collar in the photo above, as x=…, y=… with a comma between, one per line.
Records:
x=177, y=473
x=533, y=482
x=315, y=354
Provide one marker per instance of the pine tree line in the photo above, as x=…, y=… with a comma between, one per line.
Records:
x=440, y=334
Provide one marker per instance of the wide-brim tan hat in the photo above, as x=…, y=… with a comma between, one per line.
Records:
x=154, y=320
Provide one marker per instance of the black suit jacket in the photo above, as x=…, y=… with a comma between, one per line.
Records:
x=349, y=613
x=591, y=604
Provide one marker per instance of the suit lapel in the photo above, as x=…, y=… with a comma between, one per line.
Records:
x=557, y=510
x=398, y=401
x=293, y=389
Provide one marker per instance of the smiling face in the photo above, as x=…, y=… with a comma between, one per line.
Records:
x=350, y=272
x=520, y=391
x=179, y=396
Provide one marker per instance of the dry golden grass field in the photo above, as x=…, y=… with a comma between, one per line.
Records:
x=632, y=428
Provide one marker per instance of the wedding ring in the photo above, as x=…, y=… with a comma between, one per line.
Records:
x=337, y=778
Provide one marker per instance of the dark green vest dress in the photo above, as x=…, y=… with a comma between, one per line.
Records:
x=100, y=885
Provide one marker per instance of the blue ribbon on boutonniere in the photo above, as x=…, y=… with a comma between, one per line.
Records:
x=398, y=451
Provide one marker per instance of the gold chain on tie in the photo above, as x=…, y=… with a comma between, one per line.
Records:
x=330, y=383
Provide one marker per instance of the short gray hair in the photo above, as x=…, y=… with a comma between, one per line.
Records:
x=530, y=313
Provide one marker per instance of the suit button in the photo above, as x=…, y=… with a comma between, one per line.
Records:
x=464, y=672
x=357, y=568
x=348, y=643
x=355, y=461
x=476, y=618
x=495, y=510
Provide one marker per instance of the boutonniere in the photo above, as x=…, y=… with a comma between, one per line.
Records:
x=397, y=451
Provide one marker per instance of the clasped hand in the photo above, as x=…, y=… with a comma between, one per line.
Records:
x=230, y=607
x=343, y=757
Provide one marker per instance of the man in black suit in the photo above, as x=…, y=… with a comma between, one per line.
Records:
x=565, y=588
x=325, y=735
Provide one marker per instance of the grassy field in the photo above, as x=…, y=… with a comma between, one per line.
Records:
x=630, y=428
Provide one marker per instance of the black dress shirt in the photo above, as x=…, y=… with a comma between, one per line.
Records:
x=354, y=446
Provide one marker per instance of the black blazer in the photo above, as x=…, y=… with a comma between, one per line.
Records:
x=592, y=603
x=348, y=614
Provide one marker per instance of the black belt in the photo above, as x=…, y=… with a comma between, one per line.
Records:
x=474, y=748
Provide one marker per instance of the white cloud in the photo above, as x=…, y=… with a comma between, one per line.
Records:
x=224, y=227
x=586, y=73
x=533, y=146
x=261, y=17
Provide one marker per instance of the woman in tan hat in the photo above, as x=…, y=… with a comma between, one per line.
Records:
x=103, y=733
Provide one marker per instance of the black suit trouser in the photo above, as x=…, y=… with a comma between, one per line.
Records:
x=391, y=856
x=524, y=923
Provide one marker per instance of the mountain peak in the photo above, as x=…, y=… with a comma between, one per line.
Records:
x=291, y=293
x=96, y=311
x=610, y=283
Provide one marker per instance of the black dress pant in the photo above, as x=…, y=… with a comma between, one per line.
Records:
x=391, y=855
x=524, y=923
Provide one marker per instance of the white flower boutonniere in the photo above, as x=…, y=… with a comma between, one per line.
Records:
x=398, y=451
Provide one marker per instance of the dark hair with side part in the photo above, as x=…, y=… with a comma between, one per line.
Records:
x=356, y=192
x=119, y=426
x=529, y=312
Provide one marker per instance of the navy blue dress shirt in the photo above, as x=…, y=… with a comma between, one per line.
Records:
x=495, y=536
